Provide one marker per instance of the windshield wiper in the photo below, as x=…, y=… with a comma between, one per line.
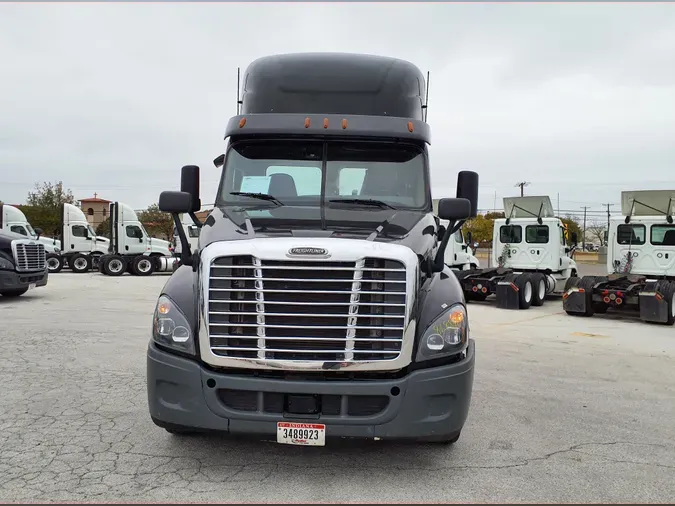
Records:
x=365, y=202
x=260, y=196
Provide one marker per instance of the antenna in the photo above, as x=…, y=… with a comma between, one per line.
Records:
x=425, y=107
x=238, y=80
x=522, y=185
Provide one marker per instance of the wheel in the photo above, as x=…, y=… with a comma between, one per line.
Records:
x=539, y=289
x=114, y=265
x=79, y=263
x=142, y=265
x=14, y=293
x=667, y=289
x=587, y=283
x=525, y=291
x=54, y=263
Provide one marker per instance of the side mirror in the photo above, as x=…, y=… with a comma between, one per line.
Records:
x=175, y=202
x=38, y=232
x=467, y=188
x=574, y=238
x=219, y=161
x=454, y=209
x=189, y=183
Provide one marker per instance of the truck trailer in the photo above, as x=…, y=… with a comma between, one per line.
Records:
x=318, y=305
x=131, y=248
x=640, y=262
x=530, y=257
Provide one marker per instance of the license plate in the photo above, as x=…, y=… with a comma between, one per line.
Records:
x=31, y=286
x=302, y=434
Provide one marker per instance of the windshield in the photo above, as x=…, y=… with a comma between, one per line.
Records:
x=92, y=232
x=301, y=173
x=31, y=231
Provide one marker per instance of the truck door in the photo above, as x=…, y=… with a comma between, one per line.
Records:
x=538, y=252
x=662, y=238
x=630, y=251
x=135, y=241
x=79, y=238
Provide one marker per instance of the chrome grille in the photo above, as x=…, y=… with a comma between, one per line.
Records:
x=306, y=310
x=29, y=256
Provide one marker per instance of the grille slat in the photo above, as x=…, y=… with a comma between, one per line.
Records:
x=273, y=309
x=29, y=257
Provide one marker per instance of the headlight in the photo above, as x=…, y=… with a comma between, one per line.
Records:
x=6, y=264
x=170, y=327
x=447, y=335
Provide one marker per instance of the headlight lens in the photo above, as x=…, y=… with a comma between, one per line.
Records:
x=171, y=328
x=6, y=264
x=447, y=335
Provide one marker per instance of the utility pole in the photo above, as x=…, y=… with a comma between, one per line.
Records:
x=522, y=185
x=608, y=206
x=583, y=234
x=558, y=205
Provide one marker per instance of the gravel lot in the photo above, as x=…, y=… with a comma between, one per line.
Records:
x=564, y=409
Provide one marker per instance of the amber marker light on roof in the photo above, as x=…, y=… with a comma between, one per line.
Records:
x=306, y=122
x=242, y=122
x=325, y=123
x=344, y=124
x=411, y=128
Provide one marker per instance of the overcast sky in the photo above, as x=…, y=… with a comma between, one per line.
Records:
x=577, y=99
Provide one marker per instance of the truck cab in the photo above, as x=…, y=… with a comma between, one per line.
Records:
x=22, y=264
x=640, y=262
x=131, y=248
x=319, y=304
x=13, y=220
x=191, y=232
x=459, y=255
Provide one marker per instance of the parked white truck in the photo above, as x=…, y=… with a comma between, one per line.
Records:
x=640, y=262
x=131, y=247
x=459, y=255
x=530, y=256
x=13, y=220
x=80, y=247
x=191, y=232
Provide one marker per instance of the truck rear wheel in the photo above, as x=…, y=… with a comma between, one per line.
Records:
x=114, y=265
x=538, y=289
x=54, y=263
x=667, y=289
x=525, y=291
x=142, y=265
x=79, y=263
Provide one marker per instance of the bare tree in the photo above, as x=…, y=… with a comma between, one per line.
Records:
x=597, y=231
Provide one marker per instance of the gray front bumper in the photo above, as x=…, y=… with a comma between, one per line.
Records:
x=10, y=280
x=427, y=403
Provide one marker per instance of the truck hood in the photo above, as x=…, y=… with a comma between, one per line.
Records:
x=50, y=243
x=415, y=229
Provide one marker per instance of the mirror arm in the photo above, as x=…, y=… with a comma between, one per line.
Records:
x=439, y=261
x=195, y=220
x=185, y=254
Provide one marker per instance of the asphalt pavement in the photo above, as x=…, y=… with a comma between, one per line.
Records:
x=564, y=410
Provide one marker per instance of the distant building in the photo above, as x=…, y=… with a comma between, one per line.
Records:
x=95, y=209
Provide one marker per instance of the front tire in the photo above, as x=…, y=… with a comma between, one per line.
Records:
x=79, y=263
x=54, y=263
x=14, y=293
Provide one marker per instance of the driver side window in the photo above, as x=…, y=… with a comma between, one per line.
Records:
x=79, y=231
x=18, y=229
x=134, y=231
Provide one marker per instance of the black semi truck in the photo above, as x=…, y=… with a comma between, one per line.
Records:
x=22, y=264
x=317, y=303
